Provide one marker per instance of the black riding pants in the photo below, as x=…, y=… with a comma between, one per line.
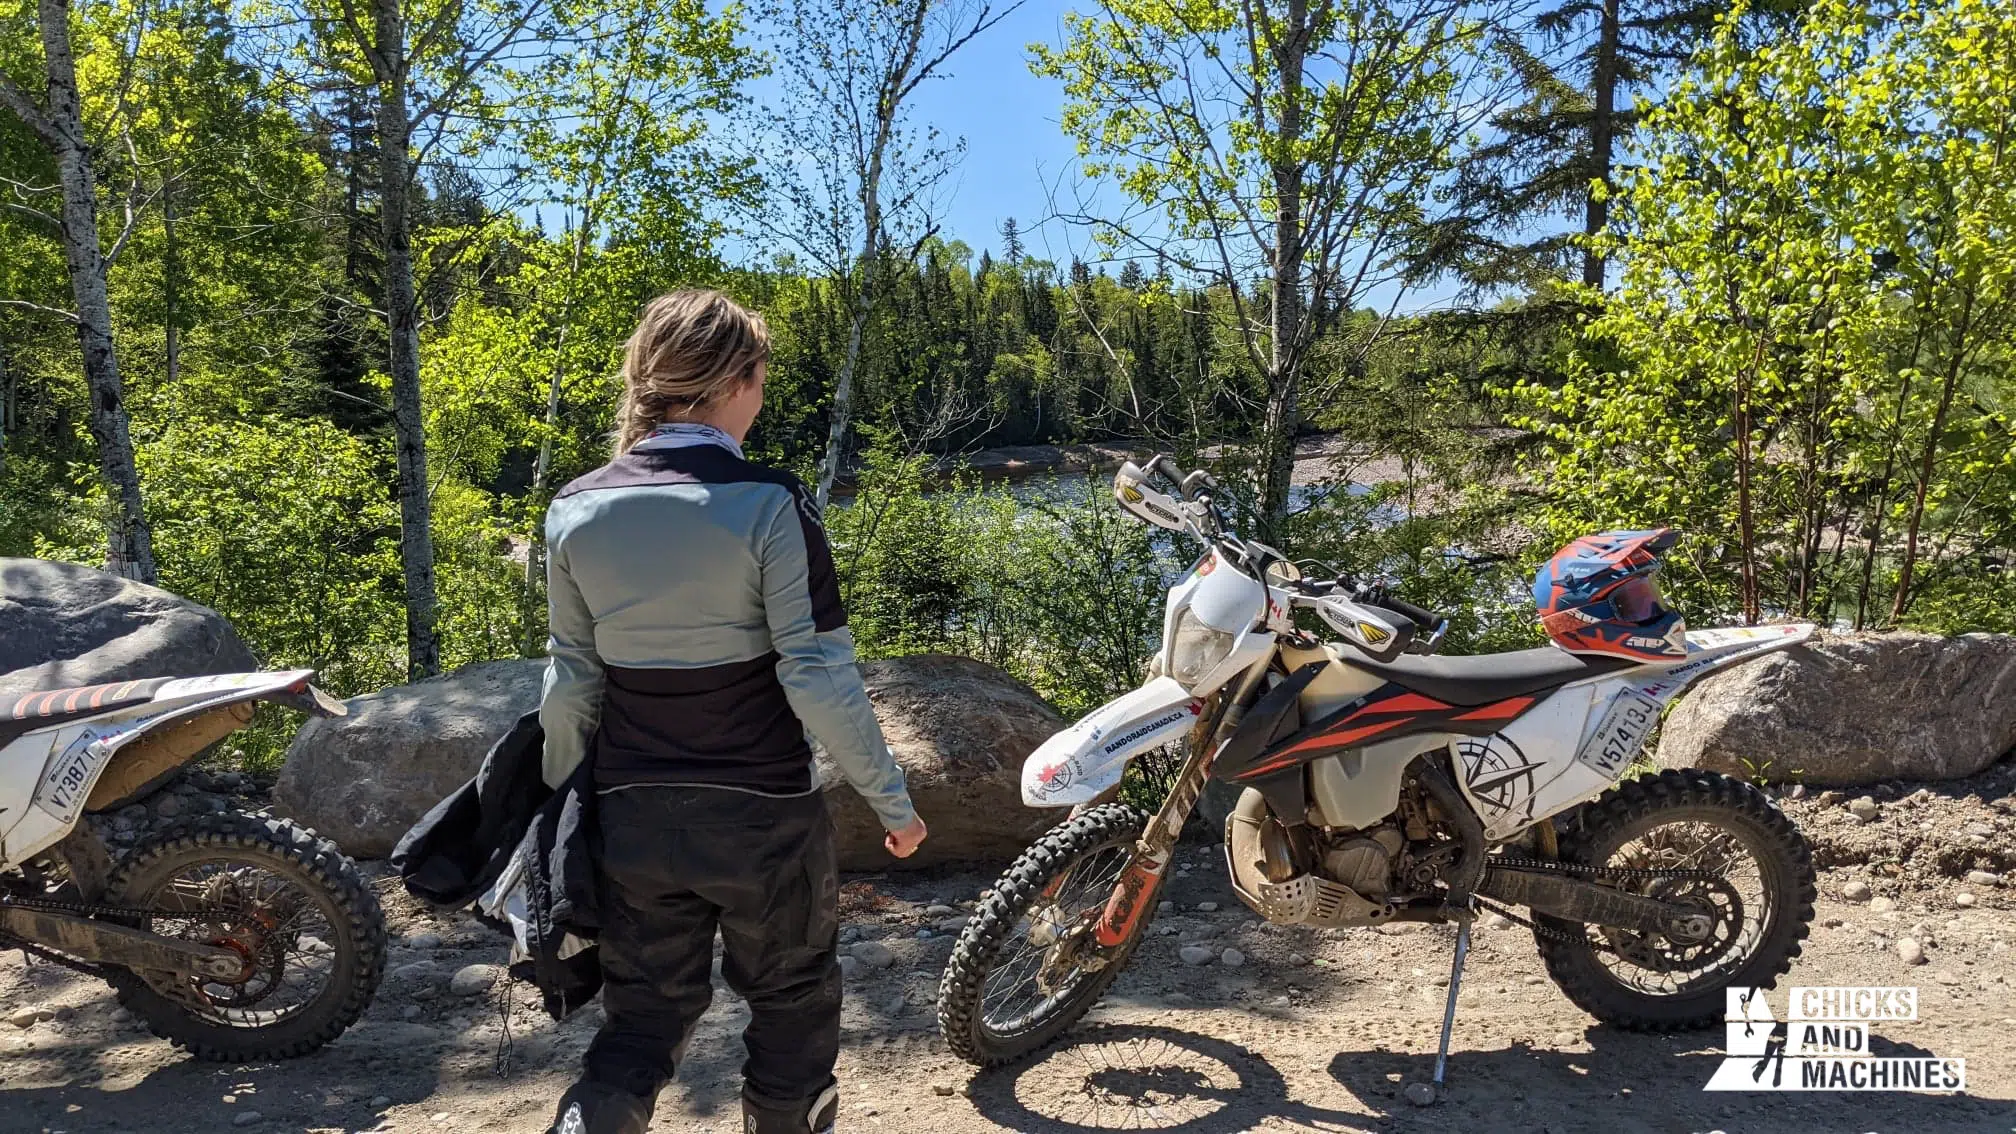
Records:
x=676, y=864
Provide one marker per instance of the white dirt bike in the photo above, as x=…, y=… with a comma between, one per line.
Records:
x=1377, y=787
x=239, y=937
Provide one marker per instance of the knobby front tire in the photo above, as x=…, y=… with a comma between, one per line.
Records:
x=1102, y=835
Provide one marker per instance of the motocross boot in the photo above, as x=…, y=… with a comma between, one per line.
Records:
x=597, y=1108
x=766, y=1116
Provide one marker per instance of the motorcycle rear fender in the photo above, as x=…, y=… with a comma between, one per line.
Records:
x=69, y=759
x=1077, y=765
x=1710, y=650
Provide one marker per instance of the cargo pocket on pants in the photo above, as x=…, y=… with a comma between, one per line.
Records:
x=822, y=879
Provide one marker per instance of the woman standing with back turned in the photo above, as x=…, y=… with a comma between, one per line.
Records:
x=696, y=634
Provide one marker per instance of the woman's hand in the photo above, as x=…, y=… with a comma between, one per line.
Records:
x=903, y=843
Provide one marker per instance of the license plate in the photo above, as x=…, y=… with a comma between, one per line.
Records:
x=63, y=788
x=1621, y=734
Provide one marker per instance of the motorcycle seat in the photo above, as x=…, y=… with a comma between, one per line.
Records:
x=24, y=712
x=1484, y=678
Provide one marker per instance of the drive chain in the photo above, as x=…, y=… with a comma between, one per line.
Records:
x=84, y=909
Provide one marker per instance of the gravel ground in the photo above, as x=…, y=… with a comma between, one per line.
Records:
x=1279, y=1029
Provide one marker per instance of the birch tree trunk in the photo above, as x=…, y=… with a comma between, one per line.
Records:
x=171, y=278
x=1284, y=411
x=1929, y=458
x=6, y=406
x=402, y=318
x=864, y=291
x=129, y=542
x=850, y=364
x=542, y=466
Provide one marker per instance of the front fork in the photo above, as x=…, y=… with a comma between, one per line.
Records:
x=1134, y=893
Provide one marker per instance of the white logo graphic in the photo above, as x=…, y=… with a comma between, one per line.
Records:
x=1823, y=1044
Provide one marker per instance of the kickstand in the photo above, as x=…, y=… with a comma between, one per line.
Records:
x=1449, y=1008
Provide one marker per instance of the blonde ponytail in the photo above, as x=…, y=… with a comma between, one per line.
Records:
x=690, y=348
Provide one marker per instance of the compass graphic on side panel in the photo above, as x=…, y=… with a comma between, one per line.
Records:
x=1499, y=775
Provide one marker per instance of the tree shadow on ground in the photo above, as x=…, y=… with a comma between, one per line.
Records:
x=188, y=1094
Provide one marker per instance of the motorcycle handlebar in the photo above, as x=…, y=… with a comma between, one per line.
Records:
x=1420, y=615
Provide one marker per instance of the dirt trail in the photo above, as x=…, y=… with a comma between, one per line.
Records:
x=1304, y=1031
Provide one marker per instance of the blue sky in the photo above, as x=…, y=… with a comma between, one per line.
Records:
x=1014, y=145
x=1009, y=120
x=1017, y=155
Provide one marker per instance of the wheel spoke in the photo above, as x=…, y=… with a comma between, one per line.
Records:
x=231, y=902
x=1653, y=965
x=1011, y=998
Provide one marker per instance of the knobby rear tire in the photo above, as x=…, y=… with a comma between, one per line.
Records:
x=1785, y=870
x=311, y=863
x=961, y=991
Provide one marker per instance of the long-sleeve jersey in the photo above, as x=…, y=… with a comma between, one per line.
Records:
x=697, y=633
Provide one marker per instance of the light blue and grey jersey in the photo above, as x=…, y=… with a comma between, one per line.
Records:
x=697, y=633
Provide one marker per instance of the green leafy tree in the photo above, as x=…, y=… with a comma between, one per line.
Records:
x=59, y=121
x=852, y=176
x=1287, y=152
x=1810, y=336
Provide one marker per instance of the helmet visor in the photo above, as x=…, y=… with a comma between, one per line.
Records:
x=1637, y=599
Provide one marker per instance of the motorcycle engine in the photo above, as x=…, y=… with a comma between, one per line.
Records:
x=1363, y=860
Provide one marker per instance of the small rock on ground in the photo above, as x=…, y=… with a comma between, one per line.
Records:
x=1983, y=878
x=1963, y=899
x=248, y=1118
x=1880, y=904
x=473, y=980
x=1857, y=891
x=874, y=954
x=1195, y=955
x=1909, y=951
x=1232, y=958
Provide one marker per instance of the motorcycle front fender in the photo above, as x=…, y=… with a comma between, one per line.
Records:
x=1077, y=765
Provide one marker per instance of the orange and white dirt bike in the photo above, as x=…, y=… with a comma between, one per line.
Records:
x=239, y=937
x=1378, y=785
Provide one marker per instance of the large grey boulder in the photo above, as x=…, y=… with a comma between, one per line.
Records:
x=1849, y=709
x=64, y=624
x=960, y=728
x=363, y=779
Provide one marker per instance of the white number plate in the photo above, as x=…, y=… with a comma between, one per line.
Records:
x=63, y=788
x=1621, y=734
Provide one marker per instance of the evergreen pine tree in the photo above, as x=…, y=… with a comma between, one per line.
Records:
x=1580, y=69
x=1011, y=243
